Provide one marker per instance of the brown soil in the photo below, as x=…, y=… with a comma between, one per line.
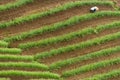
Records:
x=29, y=8
x=94, y=72
x=115, y=78
x=47, y=20
x=3, y=2
x=75, y=53
x=72, y=28
x=85, y=62
x=32, y=51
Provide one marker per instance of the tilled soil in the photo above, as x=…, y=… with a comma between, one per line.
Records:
x=94, y=72
x=29, y=8
x=47, y=20
x=72, y=28
x=86, y=62
x=35, y=50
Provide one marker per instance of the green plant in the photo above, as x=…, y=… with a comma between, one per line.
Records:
x=59, y=25
x=88, y=43
x=90, y=67
x=66, y=62
x=16, y=4
x=32, y=74
x=105, y=76
x=3, y=44
x=10, y=50
x=16, y=57
x=69, y=36
x=23, y=65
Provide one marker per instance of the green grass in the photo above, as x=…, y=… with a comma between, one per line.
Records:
x=72, y=21
x=70, y=36
x=4, y=57
x=93, y=55
x=16, y=4
x=85, y=44
x=5, y=79
x=10, y=50
x=52, y=11
x=105, y=76
x=90, y=67
x=31, y=74
x=23, y=65
x=3, y=44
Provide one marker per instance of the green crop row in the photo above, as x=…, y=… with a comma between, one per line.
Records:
x=23, y=65
x=10, y=50
x=63, y=24
x=16, y=73
x=16, y=4
x=52, y=11
x=88, y=43
x=105, y=76
x=16, y=57
x=3, y=44
x=90, y=67
x=104, y=52
x=5, y=79
x=69, y=36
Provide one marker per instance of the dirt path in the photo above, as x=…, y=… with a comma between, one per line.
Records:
x=85, y=62
x=72, y=28
x=30, y=8
x=45, y=21
x=94, y=72
x=3, y=2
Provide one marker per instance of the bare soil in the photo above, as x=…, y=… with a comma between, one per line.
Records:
x=30, y=8
x=72, y=28
x=33, y=51
x=94, y=72
x=47, y=20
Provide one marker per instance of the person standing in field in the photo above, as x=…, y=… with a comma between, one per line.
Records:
x=94, y=9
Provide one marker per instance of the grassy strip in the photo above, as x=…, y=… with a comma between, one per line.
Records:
x=16, y=4
x=3, y=44
x=5, y=79
x=104, y=52
x=16, y=58
x=88, y=43
x=32, y=74
x=10, y=50
x=105, y=76
x=90, y=67
x=69, y=36
x=23, y=65
x=59, y=25
x=52, y=11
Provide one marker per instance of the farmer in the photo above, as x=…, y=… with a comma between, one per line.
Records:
x=94, y=9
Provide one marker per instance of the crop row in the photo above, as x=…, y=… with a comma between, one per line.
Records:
x=67, y=37
x=15, y=57
x=16, y=73
x=23, y=65
x=16, y=4
x=3, y=44
x=52, y=11
x=90, y=67
x=10, y=50
x=105, y=76
x=5, y=79
x=104, y=52
x=88, y=43
x=63, y=24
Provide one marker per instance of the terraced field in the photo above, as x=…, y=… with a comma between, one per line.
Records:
x=59, y=40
